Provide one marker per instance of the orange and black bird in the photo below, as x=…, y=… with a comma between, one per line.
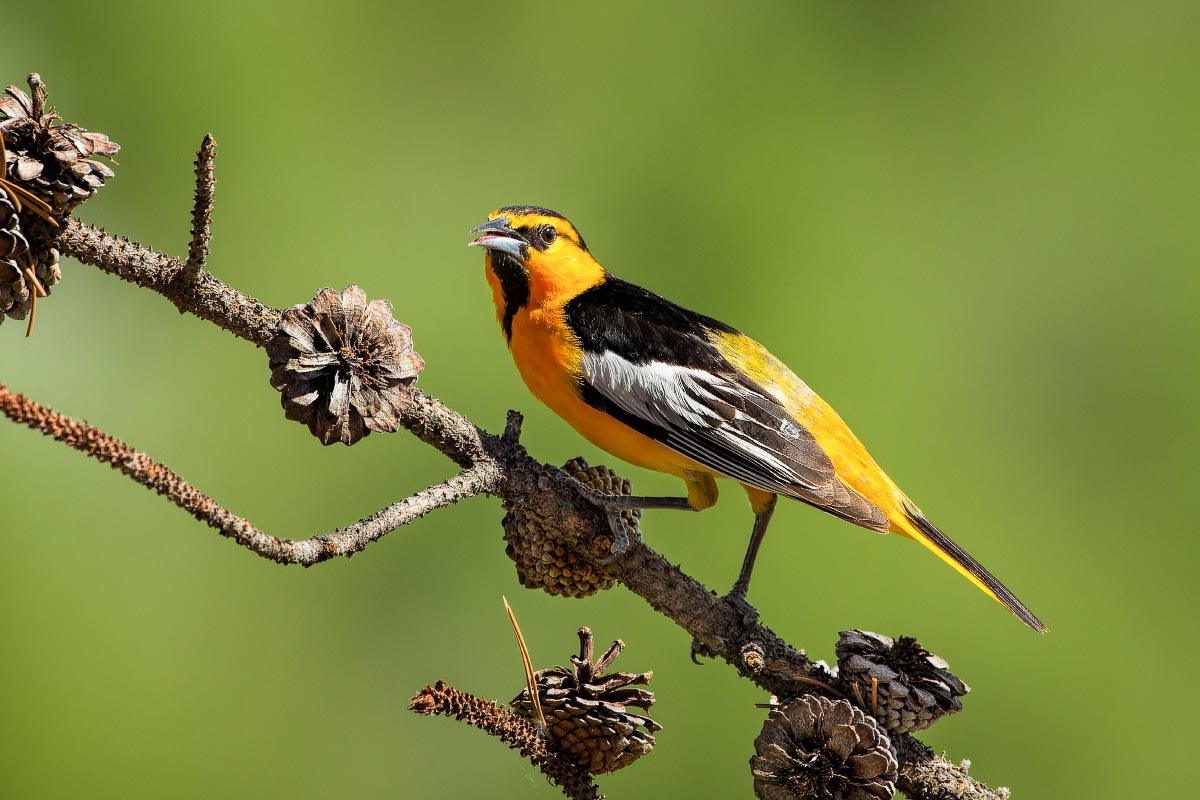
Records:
x=671, y=390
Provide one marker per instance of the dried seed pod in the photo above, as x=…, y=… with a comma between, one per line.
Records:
x=900, y=683
x=55, y=161
x=587, y=712
x=343, y=365
x=815, y=747
x=544, y=561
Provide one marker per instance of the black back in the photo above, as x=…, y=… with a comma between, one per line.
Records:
x=640, y=326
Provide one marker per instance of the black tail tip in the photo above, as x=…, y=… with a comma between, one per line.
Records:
x=1032, y=621
x=1002, y=592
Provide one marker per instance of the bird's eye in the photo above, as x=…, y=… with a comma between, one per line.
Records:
x=548, y=235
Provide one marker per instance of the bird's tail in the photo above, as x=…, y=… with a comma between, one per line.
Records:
x=914, y=525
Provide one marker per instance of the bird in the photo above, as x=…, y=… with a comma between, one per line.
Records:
x=675, y=391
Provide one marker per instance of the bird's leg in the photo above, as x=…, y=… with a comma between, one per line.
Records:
x=613, y=504
x=737, y=595
x=621, y=502
x=742, y=585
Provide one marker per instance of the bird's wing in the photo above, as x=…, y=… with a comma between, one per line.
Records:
x=650, y=364
x=718, y=420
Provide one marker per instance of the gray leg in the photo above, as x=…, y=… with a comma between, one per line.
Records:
x=621, y=502
x=737, y=595
x=742, y=585
x=612, y=506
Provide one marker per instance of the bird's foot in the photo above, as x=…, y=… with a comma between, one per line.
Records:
x=736, y=598
x=625, y=530
x=749, y=613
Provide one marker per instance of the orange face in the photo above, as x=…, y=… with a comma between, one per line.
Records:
x=535, y=257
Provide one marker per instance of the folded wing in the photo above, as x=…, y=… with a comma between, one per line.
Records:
x=726, y=423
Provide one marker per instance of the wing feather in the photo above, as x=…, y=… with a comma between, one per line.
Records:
x=652, y=365
x=724, y=423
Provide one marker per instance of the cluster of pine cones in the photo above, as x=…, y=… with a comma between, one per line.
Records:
x=814, y=747
x=47, y=168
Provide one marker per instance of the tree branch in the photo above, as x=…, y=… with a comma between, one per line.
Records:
x=482, y=477
x=510, y=473
x=202, y=206
x=515, y=731
x=193, y=291
x=927, y=775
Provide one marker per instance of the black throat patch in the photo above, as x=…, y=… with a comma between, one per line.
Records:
x=514, y=285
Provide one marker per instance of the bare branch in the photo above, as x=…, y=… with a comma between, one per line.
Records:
x=199, y=293
x=313, y=550
x=202, y=206
x=926, y=775
x=500, y=466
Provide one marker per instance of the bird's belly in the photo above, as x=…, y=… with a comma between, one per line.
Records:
x=549, y=360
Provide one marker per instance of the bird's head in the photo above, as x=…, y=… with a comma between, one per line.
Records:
x=533, y=255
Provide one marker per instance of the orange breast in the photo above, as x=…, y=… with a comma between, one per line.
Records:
x=549, y=359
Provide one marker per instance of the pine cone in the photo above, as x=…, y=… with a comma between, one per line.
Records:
x=23, y=246
x=50, y=158
x=587, y=711
x=913, y=688
x=814, y=747
x=343, y=365
x=543, y=560
x=15, y=296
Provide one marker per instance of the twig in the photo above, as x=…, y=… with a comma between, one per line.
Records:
x=927, y=775
x=202, y=206
x=515, y=731
x=753, y=649
x=200, y=293
x=306, y=552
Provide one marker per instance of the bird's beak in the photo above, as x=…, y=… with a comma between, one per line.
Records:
x=497, y=234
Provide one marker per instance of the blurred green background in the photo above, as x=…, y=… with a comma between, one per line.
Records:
x=971, y=227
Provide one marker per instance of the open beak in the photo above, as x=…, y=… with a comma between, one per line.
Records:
x=497, y=234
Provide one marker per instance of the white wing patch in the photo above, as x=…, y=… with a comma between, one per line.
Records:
x=726, y=425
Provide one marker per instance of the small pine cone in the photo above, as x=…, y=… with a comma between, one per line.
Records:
x=543, y=560
x=587, y=712
x=913, y=688
x=815, y=747
x=343, y=366
x=15, y=294
x=52, y=159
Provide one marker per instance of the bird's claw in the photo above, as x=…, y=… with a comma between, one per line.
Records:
x=612, y=506
x=602, y=501
x=749, y=613
x=621, y=539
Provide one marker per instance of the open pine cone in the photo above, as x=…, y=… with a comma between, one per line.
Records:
x=543, y=560
x=343, y=365
x=814, y=747
x=912, y=688
x=47, y=168
x=587, y=712
x=52, y=159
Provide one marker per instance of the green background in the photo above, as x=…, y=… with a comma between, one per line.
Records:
x=971, y=227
